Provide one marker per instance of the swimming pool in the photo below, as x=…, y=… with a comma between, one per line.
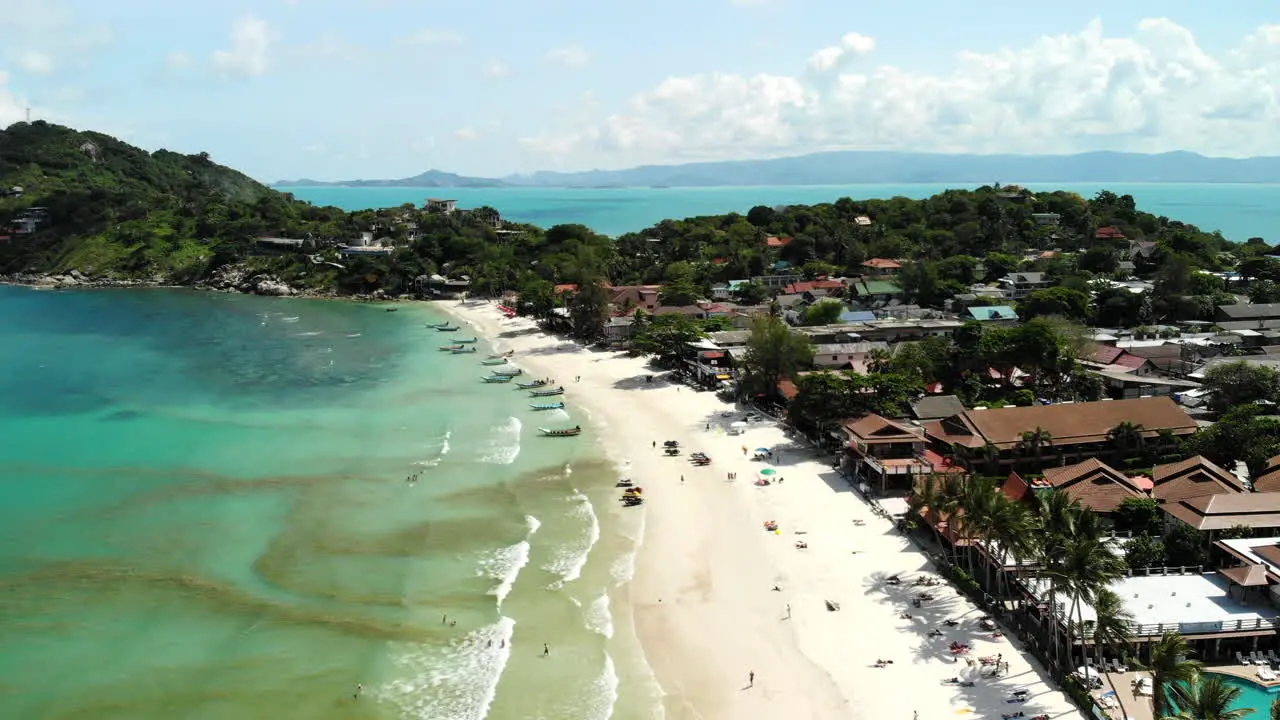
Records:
x=1253, y=696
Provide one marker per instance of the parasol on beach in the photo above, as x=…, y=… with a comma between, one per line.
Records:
x=767, y=451
x=768, y=471
x=738, y=425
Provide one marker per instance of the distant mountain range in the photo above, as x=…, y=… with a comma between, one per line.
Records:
x=428, y=179
x=875, y=167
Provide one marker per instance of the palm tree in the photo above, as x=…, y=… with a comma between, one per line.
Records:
x=991, y=454
x=1169, y=666
x=1111, y=629
x=1127, y=436
x=1034, y=441
x=1012, y=536
x=1275, y=709
x=1207, y=697
x=926, y=499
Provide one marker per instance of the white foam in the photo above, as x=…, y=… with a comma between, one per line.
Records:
x=504, y=443
x=505, y=564
x=602, y=693
x=444, y=450
x=597, y=617
x=354, y=335
x=624, y=566
x=457, y=681
x=568, y=560
x=310, y=333
x=292, y=319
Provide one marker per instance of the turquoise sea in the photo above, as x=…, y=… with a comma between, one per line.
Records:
x=207, y=514
x=1239, y=211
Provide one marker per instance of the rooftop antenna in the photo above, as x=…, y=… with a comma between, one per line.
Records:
x=28, y=114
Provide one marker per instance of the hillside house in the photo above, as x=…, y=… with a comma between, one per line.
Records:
x=867, y=293
x=1020, y=285
x=882, y=266
x=1108, y=233
x=441, y=206
x=1046, y=218
x=1247, y=313
x=993, y=315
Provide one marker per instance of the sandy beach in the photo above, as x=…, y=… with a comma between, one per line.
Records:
x=705, y=607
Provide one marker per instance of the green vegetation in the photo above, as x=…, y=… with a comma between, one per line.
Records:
x=118, y=211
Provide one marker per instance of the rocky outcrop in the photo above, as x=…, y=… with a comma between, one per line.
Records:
x=74, y=279
x=239, y=278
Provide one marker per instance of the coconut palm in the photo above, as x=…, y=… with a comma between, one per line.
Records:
x=1207, y=697
x=1013, y=532
x=1111, y=628
x=1275, y=709
x=927, y=498
x=1127, y=437
x=1169, y=666
x=1033, y=442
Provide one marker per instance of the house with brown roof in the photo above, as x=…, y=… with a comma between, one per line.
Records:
x=879, y=450
x=1097, y=356
x=1213, y=513
x=1108, y=233
x=1096, y=485
x=1076, y=431
x=777, y=242
x=1269, y=479
x=626, y=298
x=1192, y=478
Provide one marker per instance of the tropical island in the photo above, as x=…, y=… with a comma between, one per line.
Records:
x=1076, y=396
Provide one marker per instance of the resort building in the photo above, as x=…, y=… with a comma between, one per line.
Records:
x=1054, y=435
x=1211, y=514
x=879, y=451
x=1096, y=485
x=1193, y=478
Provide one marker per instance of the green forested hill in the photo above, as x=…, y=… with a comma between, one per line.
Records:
x=117, y=209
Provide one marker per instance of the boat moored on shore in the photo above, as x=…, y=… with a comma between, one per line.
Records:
x=497, y=379
x=463, y=350
x=561, y=432
x=548, y=406
x=494, y=361
x=512, y=372
x=534, y=384
x=547, y=393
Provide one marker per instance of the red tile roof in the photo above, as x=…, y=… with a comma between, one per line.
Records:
x=1131, y=361
x=777, y=242
x=882, y=264
x=811, y=285
x=876, y=430
x=788, y=389
x=568, y=287
x=1109, y=233
x=1101, y=354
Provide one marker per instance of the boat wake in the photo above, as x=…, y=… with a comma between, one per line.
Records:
x=455, y=682
x=503, y=446
x=568, y=560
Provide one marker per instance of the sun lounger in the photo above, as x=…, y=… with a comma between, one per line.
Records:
x=1257, y=658
x=1241, y=659
x=1266, y=675
x=1272, y=657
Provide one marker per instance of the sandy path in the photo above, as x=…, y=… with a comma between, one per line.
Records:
x=705, y=609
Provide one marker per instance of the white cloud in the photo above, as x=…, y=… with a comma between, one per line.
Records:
x=12, y=108
x=178, y=59
x=433, y=37
x=570, y=56
x=250, y=39
x=467, y=134
x=1154, y=90
x=35, y=62
x=497, y=69
x=41, y=38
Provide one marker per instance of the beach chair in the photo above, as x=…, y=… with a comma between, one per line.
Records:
x=1257, y=658
x=1241, y=658
x=1272, y=657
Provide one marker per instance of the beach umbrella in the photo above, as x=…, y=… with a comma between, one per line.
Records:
x=764, y=450
x=768, y=471
x=738, y=424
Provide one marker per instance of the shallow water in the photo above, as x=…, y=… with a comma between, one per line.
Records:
x=206, y=515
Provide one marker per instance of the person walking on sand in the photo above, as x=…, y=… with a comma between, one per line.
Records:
x=359, y=690
x=788, y=611
x=681, y=479
x=915, y=715
x=546, y=651
x=751, y=678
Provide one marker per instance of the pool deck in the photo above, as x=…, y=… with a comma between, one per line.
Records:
x=1244, y=672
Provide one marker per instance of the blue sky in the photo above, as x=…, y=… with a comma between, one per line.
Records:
x=337, y=89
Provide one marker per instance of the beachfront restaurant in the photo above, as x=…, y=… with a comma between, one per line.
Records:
x=1219, y=613
x=886, y=455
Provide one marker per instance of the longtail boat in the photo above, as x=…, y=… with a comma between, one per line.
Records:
x=548, y=406
x=492, y=361
x=562, y=432
x=447, y=348
x=508, y=371
x=468, y=341
x=533, y=384
x=547, y=393
x=463, y=350
x=438, y=325
x=506, y=354
x=497, y=379
x=449, y=328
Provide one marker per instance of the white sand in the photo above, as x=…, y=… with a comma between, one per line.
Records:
x=705, y=610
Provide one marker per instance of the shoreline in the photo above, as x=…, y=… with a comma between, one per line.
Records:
x=701, y=597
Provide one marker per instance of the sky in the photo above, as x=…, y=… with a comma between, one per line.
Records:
x=346, y=89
